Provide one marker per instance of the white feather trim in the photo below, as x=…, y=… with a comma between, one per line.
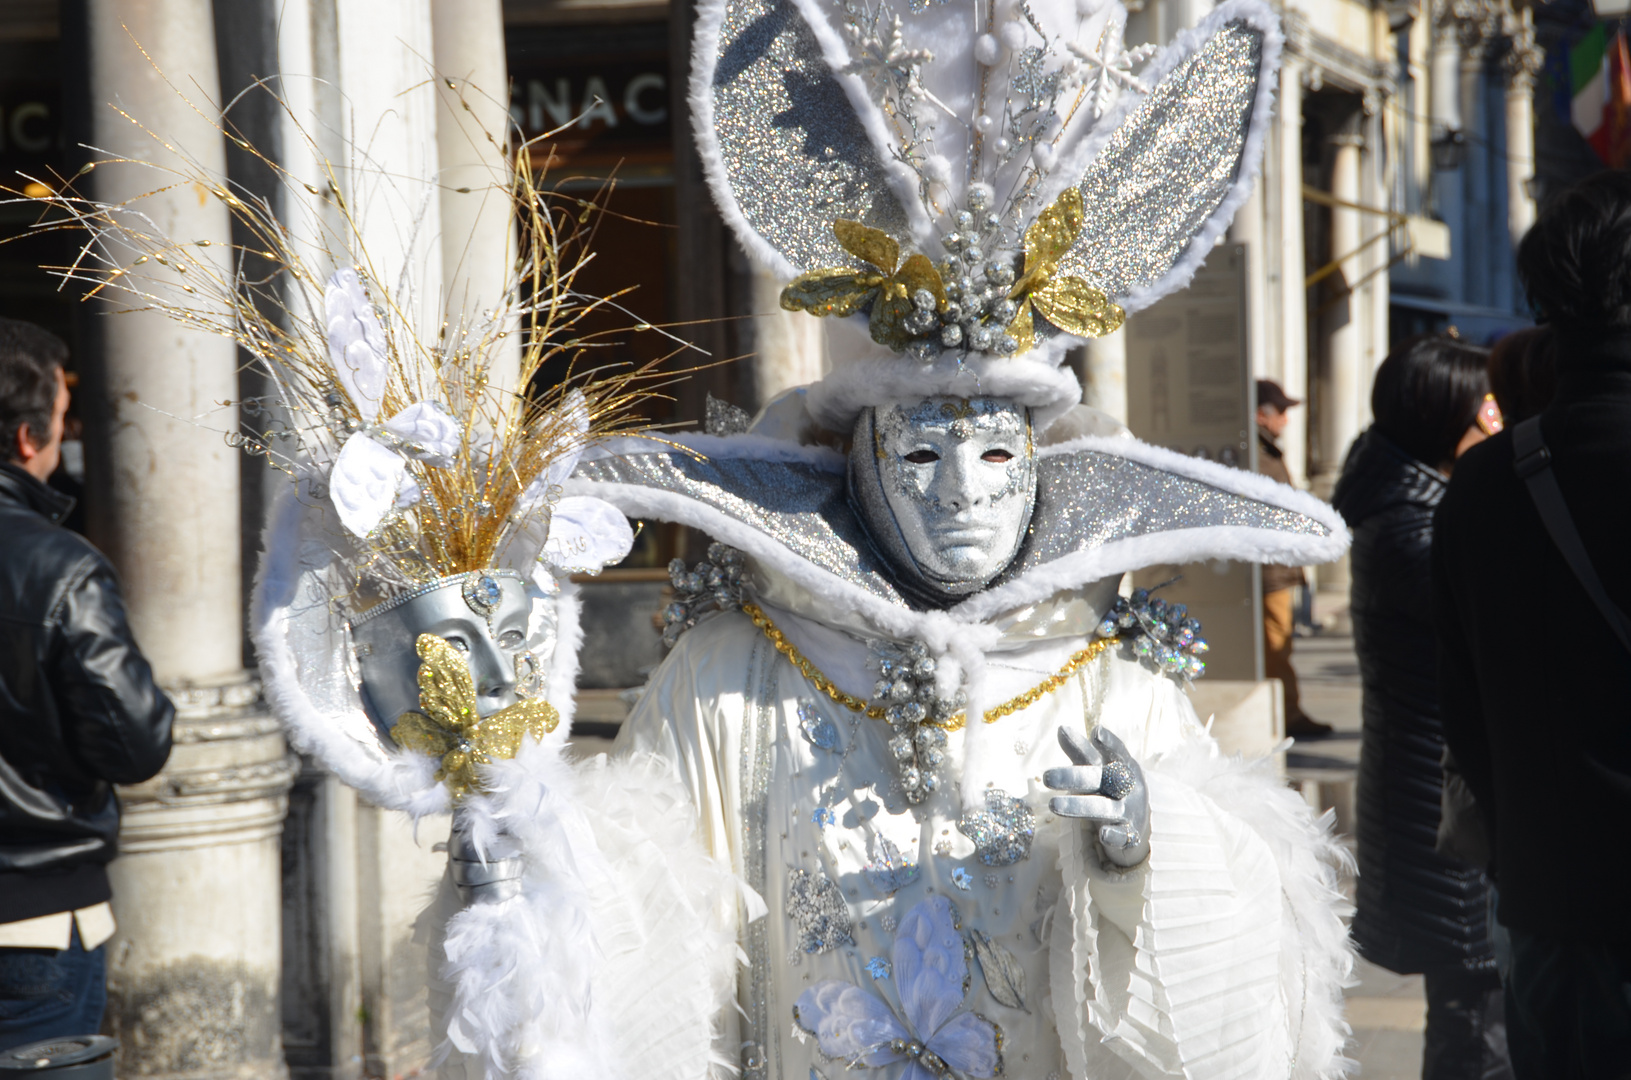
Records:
x=285, y=605
x=1226, y=953
x=618, y=956
x=879, y=377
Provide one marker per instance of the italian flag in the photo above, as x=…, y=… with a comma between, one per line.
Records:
x=1600, y=74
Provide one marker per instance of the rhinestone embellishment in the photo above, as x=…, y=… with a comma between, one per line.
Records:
x=482, y=594
x=1002, y=832
x=817, y=905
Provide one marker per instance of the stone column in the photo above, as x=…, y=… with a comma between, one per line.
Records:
x=1342, y=407
x=472, y=120
x=1522, y=63
x=193, y=971
x=386, y=71
x=790, y=347
x=1104, y=378
x=1288, y=261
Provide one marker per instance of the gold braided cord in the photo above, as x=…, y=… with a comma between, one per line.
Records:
x=1077, y=661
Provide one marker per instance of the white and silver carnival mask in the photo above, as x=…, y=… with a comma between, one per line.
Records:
x=945, y=488
x=506, y=633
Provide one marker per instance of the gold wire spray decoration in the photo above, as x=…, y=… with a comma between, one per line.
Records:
x=266, y=293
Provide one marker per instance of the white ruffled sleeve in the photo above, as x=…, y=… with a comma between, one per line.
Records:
x=1225, y=954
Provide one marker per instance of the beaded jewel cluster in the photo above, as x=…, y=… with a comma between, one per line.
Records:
x=715, y=584
x=1162, y=635
x=905, y=691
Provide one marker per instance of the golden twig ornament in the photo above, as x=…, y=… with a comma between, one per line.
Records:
x=450, y=728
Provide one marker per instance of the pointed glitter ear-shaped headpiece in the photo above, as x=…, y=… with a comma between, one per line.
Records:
x=983, y=182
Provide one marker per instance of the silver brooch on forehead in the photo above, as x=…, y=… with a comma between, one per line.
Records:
x=482, y=594
x=1002, y=832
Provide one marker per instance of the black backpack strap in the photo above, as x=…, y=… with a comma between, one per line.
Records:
x=1532, y=461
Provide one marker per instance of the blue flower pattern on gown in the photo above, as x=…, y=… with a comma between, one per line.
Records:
x=930, y=973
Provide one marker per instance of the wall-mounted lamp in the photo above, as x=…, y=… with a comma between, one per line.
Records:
x=1449, y=150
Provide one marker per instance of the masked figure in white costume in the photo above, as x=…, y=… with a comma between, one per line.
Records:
x=414, y=616
x=961, y=772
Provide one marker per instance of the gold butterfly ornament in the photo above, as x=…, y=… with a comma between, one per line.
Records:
x=907, y=295
x=449, y=727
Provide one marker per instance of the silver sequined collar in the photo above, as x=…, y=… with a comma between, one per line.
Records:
x=1104, y=506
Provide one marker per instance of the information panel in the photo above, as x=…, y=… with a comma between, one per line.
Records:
x=1189, y=389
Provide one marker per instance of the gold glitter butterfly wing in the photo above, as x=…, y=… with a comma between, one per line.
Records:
x=868, y=244
x=1078, y=308
x=1053, y=232
x=1066, y=301
x=499, y=735
x=831, y=291
x=412, y=731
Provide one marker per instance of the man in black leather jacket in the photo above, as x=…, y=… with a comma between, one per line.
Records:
x=79, y=712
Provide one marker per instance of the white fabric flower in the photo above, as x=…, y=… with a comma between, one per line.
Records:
x=429, y=433
x=586, y=535
x=365, y=482
x=356, y=342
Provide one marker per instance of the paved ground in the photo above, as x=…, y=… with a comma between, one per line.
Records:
x=1387, y=1011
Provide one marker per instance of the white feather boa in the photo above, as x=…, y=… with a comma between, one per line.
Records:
x=618, y=955
x=1316, y=953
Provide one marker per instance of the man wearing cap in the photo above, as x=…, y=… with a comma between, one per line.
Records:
x=1273, y=403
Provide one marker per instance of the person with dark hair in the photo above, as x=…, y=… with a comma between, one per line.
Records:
x=1273, y=404
x=1538, y=728
x=79, y=712
x=1522, y=373
x=1418, y=911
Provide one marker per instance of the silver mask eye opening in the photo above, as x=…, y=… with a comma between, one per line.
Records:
x=945, y=488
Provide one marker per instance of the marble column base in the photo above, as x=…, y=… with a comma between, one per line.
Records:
x=193, y=971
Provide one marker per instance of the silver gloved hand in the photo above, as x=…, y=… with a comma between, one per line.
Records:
x=1107, y=790
x=484, y=882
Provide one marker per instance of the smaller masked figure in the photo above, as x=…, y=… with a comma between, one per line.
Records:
x=414, y=615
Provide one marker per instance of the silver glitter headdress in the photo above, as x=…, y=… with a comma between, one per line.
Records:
x=971, y=186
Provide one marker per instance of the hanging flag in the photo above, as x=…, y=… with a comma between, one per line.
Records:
x=1600, y=76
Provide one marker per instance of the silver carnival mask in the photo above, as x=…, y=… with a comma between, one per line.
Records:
x=488, y=616
x=945, y=488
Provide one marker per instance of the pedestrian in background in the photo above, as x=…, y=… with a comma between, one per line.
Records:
x=79, y=712
x=1523, y=373
x=1418, y=911
x=1280, y=582
x=1535, y=649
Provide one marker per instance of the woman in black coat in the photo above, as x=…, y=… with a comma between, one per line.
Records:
x=1418, y=911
